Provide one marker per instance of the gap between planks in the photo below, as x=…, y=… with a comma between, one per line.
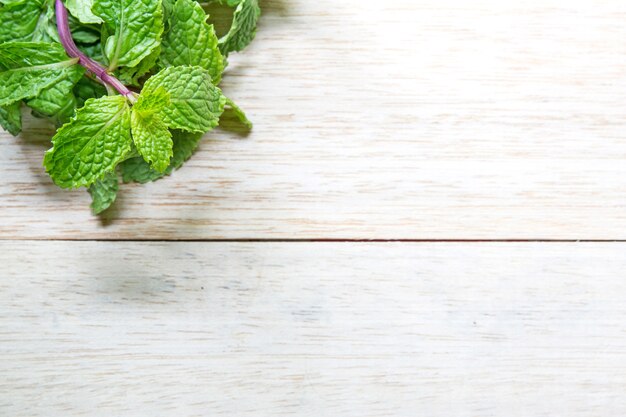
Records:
x=322, y=240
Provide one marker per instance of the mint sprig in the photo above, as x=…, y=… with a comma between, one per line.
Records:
x=132, y=84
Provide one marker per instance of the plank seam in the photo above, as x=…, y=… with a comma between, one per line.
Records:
x=324, y=240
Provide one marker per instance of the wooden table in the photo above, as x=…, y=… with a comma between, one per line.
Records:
x=429, y=219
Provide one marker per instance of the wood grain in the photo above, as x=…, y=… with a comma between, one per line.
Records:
x=414, y=120
x=250, y=329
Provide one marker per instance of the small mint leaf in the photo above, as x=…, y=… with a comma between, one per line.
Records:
x=151, y=136
x=191, y=41
x=243, y=29
x=104, y=192
x=239, y=114
x=195, y=103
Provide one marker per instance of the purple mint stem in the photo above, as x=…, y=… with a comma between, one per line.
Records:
x=72, y=50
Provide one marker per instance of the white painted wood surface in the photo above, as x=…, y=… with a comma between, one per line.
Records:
x=414, y=119
x=250, y=329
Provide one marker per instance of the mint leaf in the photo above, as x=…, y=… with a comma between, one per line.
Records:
x=236, y=111
x=104, y=192
x=243, y=29
x=195, y=103
x=81, y=9
x=57, y=101
x=168, y=5
x=137, y=170
x=28, y=20
x=231, y=3
x=87, y=88
x=93, y=51
x=19, y=20
x=84, y=33
x=11, y=118
x=151, y=137
x=135, y=28
x=45, y=30
x=185, y=144
x=30, y=67
x=131, y=76
x=91, y=144
x=191, y=40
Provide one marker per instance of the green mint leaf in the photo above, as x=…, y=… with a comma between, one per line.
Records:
x=81, y=9
x=151, y=103
x=91, y=144
x=57, y=101
x=46, y=29
x=191, y=40
x=11, y=118
x=20, y=20
x=131, y=76
x=85, y=36
x=137, y=170
x=30, y=67
x=243, y=29
x=151, y=136
x=103, y=193
x=82, y=33
x=185, y=144
x=135, y=28
x=168, y=5
x=235, y=110
x=87, y=88
x=28, y=20
x=93, y=51
x=195, y=103
x=231, y=3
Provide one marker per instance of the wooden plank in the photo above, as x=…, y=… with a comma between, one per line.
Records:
x=419, y=120
x=242, y=329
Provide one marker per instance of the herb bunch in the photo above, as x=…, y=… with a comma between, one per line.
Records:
x=131, y=84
